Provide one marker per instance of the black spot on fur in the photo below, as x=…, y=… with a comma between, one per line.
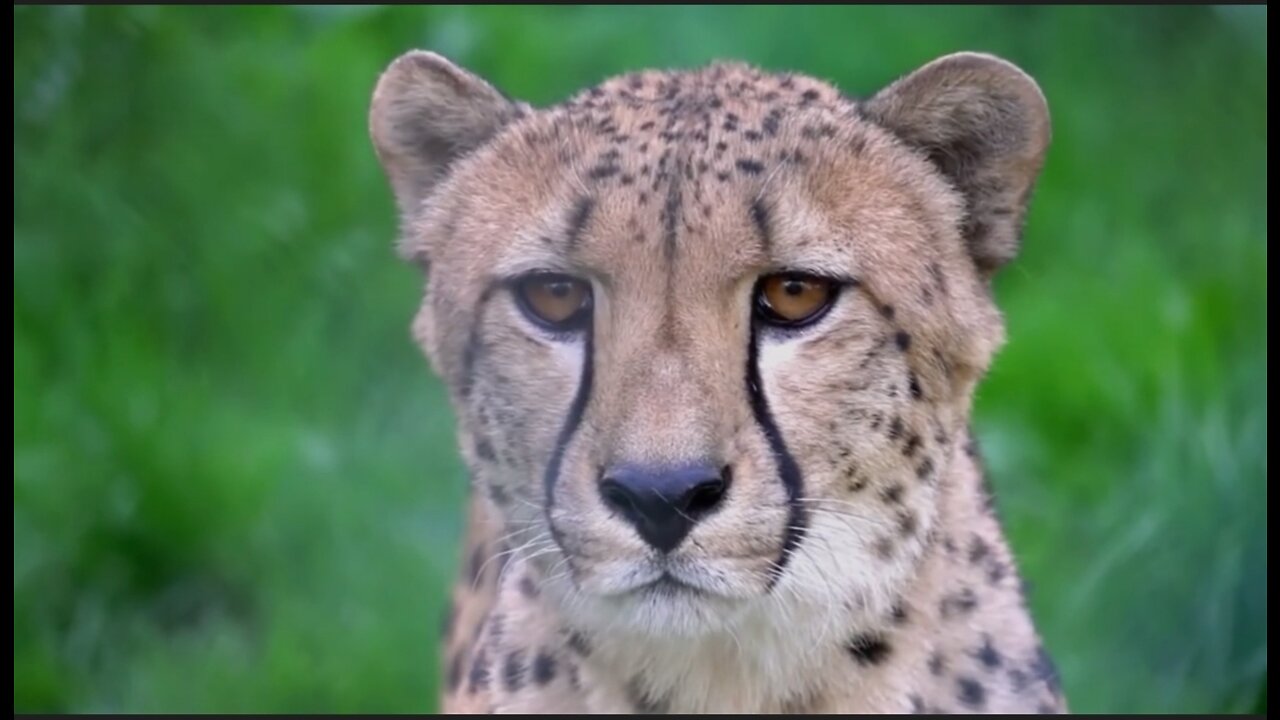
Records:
x=869, y=649
x=749, y=166
x=721, y=146
x=896, y=428
x=892, y=494
x=903, y=339
x=499, y=496
x=884, y=548
x=887, y=311
x=898, y=613
x=988, y=655
x=914, y=383
x=961, y=602
x=907, y=524
x=478, y=679
x=544, y=668
x=578, y=643
x=513, y=670
x=913, y=444
x=527, y=588
x=722, y=176
x=925, y=470
x=996, y=571
x=917, y=704
x=1043, y=668
x=1018, y=680
x=978, y=550
x=937, y=664
x=647, y=125
x=770, y=124
x=752, y=136
x=810, y=95
x=970, y=692
x=484, y=450
x=495, y=625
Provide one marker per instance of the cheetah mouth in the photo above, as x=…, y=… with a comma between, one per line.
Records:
x=667, y=585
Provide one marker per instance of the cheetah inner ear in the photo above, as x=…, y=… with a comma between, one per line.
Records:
x=426, y=113
x=985, y=123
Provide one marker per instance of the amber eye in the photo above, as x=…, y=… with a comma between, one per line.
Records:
x=558, y=302
x=794, y=299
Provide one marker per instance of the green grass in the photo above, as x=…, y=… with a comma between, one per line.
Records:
x=235, y=481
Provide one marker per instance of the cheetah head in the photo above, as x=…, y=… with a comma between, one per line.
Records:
x=711, y=336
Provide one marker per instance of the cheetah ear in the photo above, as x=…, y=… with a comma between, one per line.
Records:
x=985, y=123
x=426, y=113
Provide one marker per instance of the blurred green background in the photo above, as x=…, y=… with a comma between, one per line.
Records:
x=235, y=482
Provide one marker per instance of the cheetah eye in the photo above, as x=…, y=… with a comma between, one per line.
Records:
x=556, y=302
x=792, y=300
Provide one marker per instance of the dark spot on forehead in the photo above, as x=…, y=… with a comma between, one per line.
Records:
x=750, y=166
x=903, y=340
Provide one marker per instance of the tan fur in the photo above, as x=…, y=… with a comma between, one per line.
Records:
x=672, y=193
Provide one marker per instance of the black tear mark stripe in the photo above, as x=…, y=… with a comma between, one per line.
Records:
x=571, y=423
x=760, y=216
x=578, y=221
x=798, y=519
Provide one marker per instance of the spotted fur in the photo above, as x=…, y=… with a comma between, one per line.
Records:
x=856, y=563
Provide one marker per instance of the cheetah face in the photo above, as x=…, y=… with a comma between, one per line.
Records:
x=711, y=336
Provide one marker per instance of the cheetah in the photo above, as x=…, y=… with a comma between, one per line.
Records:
x=711, y=338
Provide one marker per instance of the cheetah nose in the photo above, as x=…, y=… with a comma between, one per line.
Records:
x=663, y=504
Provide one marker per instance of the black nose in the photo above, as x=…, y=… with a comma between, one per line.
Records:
x=664, y=503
